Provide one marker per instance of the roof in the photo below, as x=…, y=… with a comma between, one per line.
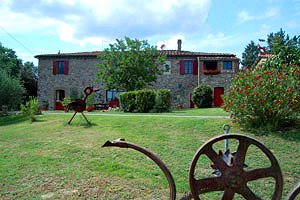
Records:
x=163, y=52
x=261, y=56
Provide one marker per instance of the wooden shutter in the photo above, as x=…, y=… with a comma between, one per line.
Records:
x=181, y=67
x=195, y=67
x=55, y=67
x=66, y=67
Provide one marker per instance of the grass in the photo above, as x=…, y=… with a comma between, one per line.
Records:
x=48, y=159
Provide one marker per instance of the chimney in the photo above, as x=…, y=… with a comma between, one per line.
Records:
x=179, y=42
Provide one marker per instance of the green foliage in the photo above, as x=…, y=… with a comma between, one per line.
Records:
x=129, y=64
x=162, y=101
x=66, y=101
x=91, y=99
x=74, y=94
x=266, y=97
x=28, y=76
x=10, y=62
x=249, y=55
x=11, y=90
x=202, y=96
x=31, y=109
x=145, y=100
x=127, y=101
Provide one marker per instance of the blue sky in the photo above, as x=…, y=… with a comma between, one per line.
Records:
x=217, y=26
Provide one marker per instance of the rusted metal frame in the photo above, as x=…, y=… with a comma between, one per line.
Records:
x=121, y=143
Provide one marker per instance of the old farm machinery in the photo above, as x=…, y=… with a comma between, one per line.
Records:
x=229, y=171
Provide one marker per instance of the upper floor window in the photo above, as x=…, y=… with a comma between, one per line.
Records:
x=188, y=67
x=61, y=67
x=227, y=65
x=167, y=67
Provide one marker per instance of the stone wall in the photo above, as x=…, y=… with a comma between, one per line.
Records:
x=83, y=73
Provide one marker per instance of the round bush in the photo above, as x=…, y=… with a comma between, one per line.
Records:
x=202, y=96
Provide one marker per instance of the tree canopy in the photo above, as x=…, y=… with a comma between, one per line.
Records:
x=275, y=44
x=130, y=64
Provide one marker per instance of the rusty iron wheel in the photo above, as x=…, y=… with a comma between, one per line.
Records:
x=294, y=193
x=234, y=178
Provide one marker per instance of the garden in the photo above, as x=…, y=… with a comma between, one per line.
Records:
x=48, y=159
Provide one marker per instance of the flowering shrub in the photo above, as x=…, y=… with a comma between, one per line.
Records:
x=268, y=96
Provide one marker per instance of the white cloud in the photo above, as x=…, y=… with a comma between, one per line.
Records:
x=171, y=43
x=245, y=16
x=81, y=21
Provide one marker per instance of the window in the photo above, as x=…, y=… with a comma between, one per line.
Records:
x=188, y=67
x=60, y=95
x=167, y=67
x=210, y=65
x=227, y=65
x=61, y=67
x=113, y=95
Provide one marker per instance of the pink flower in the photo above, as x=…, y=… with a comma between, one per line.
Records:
x=277, y=101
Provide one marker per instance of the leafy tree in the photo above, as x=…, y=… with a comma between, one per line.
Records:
x=249, y=55
x=202, y=96
x=11, y=90
x=9, y=61
x=129, y=64
x=276, y=41
x=29, y=79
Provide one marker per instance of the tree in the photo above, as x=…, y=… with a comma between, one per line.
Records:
x=11, y=90
x=129, y=64
x=29, y=79
x=10, y=62
x=249, y=55
x=276, y=41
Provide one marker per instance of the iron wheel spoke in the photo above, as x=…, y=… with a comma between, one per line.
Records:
x=248, y=194
x=215, y=158
x=209, y=184
x=241, y=152
x=259, y=173
x=228, y=194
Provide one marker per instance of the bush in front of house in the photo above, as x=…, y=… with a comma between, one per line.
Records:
x=162, y=101
x=202, y=96
x=127, y=101
x=266, y=97
x=146, y=101
x=31, y=108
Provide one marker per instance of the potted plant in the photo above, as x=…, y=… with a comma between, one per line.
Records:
x=90, y=101
x=45, y=105
x=65, y=102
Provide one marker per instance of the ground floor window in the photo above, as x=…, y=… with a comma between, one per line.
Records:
x=60, y=95
x=113, y=95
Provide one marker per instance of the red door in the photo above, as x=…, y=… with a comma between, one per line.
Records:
x=218, y=92
x=60, y=95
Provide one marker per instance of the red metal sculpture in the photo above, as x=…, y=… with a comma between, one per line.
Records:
x=79, y=105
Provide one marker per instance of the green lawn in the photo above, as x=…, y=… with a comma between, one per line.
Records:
x=51, y=160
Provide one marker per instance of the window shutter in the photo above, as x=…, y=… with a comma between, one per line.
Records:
x=55, y=67
x=195, y=67
x=66, y=67
x=181, y=67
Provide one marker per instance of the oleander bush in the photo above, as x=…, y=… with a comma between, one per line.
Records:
x=265, y=97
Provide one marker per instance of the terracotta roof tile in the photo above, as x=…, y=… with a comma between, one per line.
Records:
x=164, y=52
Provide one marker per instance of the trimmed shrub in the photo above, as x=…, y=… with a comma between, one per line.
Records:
x=266, y=97
x=162, y=101
x=202, y=96
x=145, y=100
x=127, y=101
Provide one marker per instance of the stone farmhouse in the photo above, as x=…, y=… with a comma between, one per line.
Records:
x=62, y=74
